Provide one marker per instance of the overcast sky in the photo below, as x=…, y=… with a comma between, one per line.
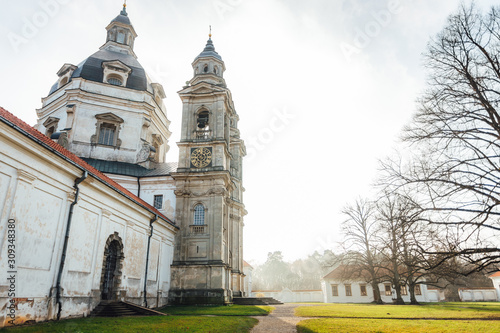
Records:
x=322, y=87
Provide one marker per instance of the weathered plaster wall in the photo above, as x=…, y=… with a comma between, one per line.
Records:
x=36, y=190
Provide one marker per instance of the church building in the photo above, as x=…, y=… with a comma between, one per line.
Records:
x=90, y=208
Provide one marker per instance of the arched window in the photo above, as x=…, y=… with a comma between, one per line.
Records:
x=205, y=69
x=64, y=80
x=121, y=37
x=202, y=120
x=115, y=81
x=50, y=131
x=199, y=215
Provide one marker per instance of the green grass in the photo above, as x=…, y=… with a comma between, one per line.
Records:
x=328, y=325
x=170, y=324
x=428, y=310
x=221, y=310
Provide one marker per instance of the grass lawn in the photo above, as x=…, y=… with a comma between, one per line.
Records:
x=223, y=319
x=221, y=310
x=328, y=325
x=170, y=324
x=428, y=310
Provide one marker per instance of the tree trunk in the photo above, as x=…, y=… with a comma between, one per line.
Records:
x=413, y=298
x=397, y=286
x=376, y=293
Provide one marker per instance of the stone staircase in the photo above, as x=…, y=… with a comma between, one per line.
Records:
x=120, y=309
x=255, y=301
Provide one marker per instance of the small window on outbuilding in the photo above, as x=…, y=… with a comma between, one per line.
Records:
x=158, y=201
x=404, y=291
x=199, y=215
x=388, y=290
x=348, y=290
x=418, y=290
x=362, y=288
x=335, y=290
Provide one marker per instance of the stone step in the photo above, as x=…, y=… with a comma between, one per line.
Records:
x=255, y=301
x=120, y=309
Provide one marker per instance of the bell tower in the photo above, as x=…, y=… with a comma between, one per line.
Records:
x=208, y=260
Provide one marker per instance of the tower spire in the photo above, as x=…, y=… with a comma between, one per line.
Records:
x=210, y=33
x=124, y=10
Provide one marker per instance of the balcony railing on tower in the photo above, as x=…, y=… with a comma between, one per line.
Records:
x=198, y=229
x=203, y=134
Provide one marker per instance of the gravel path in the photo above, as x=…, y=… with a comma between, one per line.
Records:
x=281, y=320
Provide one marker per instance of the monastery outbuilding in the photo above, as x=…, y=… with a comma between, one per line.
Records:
x=90, y=209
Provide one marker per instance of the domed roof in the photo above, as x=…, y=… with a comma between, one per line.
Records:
x=209, y=51
x=122, y=18
x=91, y=69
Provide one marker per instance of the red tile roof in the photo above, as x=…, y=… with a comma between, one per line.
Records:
x=245, y=264
x=43, y=140
x=347, y=272
x=496, y=274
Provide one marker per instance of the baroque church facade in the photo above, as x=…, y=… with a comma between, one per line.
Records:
x=96, y=211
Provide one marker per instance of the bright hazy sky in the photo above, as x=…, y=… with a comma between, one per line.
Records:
x=322, y=87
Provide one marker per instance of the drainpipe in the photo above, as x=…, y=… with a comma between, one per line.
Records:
x=147, y=260
x=65, y=246
x=138, y=187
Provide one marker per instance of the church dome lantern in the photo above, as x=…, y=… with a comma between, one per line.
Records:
x=120, y=33
x=209, y=62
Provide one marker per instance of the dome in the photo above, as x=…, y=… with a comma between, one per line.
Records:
x=209, y=51
x=122, y=18
x=115, y=49
x=91, y=69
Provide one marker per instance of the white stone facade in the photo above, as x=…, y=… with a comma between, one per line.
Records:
x=478, y=294
x=336, y=291
x=291, y=296
x=495, y=278
x=105, y=115
x=37, y=189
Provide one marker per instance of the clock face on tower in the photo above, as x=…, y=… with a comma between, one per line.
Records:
x=201, y=157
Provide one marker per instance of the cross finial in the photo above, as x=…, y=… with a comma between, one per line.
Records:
x=210, y=33
x=124, y=10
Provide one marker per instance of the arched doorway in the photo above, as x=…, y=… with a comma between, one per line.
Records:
x=111, y=268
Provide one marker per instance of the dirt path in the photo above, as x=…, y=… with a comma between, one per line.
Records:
x=281, y=320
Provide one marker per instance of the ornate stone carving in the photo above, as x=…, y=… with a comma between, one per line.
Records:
x=210, y=192
x=234, y=217
x=63, y=140
x=182, y=193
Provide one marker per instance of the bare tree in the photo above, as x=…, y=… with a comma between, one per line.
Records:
x=457, y=132
x=390, y=212
x=359, y=230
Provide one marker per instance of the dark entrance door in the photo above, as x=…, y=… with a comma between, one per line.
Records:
x=109, y=271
